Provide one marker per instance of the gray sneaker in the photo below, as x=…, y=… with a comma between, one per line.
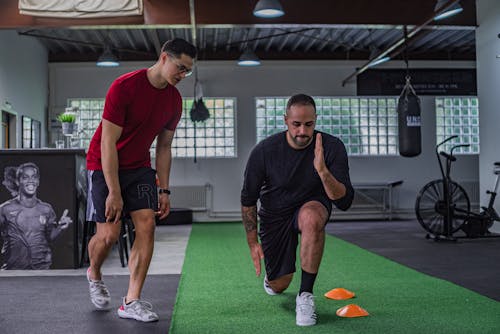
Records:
x=306, y=315
x=99, y=293
x=139, y=310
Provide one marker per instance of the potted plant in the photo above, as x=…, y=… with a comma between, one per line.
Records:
x=67, y=120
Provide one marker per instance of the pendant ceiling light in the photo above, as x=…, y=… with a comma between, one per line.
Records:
x=268, y=9
x=248, y=58
x=442, y=11
x=376, y=59
x=107, y=59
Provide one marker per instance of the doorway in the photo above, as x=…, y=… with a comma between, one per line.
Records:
x=8, y=130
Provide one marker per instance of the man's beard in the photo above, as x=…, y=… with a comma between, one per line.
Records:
x=301, y=141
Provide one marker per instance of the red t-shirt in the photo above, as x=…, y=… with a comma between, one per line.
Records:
x=142, y=111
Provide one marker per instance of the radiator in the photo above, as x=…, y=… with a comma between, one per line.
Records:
x=472, y=189
x=189, y=197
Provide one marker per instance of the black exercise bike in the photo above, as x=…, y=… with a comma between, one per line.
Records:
x=443, y=207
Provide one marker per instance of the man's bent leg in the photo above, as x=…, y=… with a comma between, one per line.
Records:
x=311, y=221
x=99, y=246
x=279, y=239
x=142, y=251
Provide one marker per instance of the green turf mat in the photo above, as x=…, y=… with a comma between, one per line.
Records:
x=219, y=293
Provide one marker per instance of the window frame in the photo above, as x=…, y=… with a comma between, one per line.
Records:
x=95, y=107
x=352, y=113
x=452, y=115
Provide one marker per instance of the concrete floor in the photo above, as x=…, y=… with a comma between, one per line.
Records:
x=24, y=291
x=168, y=257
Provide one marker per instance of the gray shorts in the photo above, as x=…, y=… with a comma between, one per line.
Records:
x=138, y=189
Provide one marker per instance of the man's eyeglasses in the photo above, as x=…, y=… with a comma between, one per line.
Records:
x=180, y=68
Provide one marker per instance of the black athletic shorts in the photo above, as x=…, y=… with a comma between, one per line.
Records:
x=279, y=239
x=138, y=188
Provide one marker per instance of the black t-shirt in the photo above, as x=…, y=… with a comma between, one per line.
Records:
x=284, y=178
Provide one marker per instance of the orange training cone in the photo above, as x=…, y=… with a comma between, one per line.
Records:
x=352, y=311
x=339, y=294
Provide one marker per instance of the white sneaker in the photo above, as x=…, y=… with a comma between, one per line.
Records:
x=99, y=293
x=268, y=289
x=306, y=315
x=139, y=310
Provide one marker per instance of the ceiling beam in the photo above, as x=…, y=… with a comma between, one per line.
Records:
x=177, y=12
x=396, y=47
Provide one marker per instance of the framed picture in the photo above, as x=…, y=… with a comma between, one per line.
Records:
x=36, y=129
x=42, y=208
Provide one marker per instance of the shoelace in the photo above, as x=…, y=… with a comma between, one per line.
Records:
x=143, y=306
x=307, y=305
x=100, y=288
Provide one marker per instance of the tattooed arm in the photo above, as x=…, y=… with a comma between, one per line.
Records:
x=249, y=216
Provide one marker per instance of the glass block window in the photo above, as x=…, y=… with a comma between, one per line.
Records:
x=270, y=113
x=214, y=137
x=88, y=118
x=458, y=116
x=366, y=125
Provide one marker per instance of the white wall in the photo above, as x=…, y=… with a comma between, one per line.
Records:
x=488, y=78
x=24, y=78
x=225, y=79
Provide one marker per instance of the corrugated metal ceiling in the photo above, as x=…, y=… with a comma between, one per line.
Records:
x=314, y=29
x=268, y=41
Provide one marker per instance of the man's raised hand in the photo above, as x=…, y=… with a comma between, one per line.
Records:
x=319, y=157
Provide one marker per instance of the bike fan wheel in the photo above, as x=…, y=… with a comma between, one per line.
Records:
x=430, y=207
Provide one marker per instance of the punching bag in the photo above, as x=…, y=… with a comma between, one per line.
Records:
x=410, y=138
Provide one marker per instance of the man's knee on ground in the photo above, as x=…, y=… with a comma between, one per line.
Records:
x=281, y=284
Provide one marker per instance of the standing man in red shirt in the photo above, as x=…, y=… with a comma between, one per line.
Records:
x=140, y=106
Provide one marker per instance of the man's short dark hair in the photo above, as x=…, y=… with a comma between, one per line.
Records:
x=301, y=99
x=179, y=46
x=21, y=168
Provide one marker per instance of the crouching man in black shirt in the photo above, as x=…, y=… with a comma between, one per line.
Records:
x=297, y=175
